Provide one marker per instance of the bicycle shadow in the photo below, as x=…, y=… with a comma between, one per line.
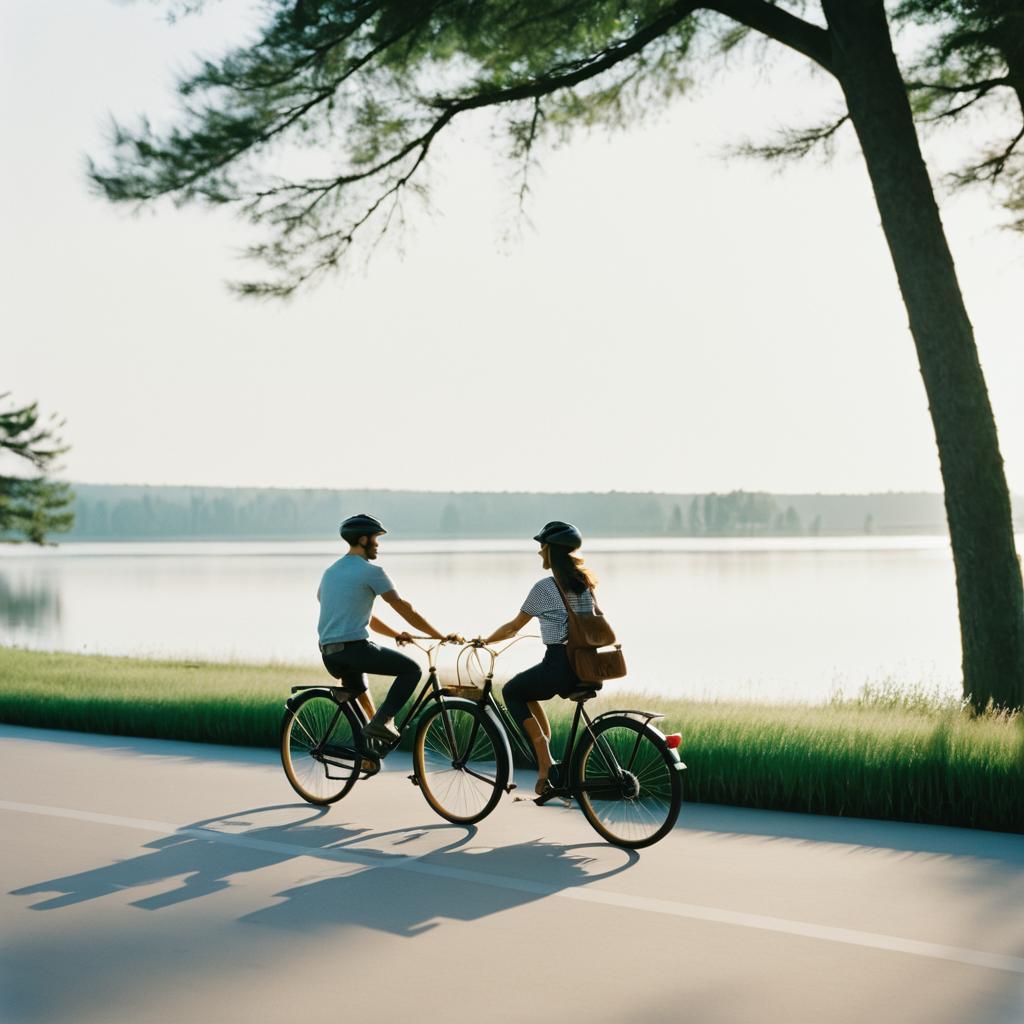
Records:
x=456, y=883
x=205, y=864
x=209, y=855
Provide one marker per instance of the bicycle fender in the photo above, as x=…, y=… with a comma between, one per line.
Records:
x=645, y=718
x=465, y=703
x=640, y=716
x=295, y=697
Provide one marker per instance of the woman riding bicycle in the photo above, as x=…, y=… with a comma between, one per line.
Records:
x=553, y=676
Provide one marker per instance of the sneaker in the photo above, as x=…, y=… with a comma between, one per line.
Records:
x=375, y=730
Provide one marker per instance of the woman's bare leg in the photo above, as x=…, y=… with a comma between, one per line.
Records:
x=538, y=712
x=540, y=747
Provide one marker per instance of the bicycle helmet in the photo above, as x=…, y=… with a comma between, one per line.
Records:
x=563, y=534
x=358, y=526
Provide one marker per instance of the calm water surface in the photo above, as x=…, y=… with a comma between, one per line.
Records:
x=759, y=618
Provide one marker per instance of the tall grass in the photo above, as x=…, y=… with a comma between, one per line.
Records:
x=178, y=700
x=884, y=753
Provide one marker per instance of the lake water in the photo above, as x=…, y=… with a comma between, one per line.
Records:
x=788, y=618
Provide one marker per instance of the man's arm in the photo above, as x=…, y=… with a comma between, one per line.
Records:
x=385, y=630
x=412, y=616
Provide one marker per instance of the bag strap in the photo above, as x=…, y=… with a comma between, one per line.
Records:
x=565, y=600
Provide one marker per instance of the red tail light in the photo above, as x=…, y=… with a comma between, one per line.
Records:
x=673, y=740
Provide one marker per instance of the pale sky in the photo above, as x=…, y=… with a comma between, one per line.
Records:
x=671, y=318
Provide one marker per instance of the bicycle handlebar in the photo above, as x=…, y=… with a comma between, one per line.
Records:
x=496, y=652
x=468, y=645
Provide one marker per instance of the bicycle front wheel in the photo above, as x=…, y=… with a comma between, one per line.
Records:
x=318, y=748
x=460, y=760
x=627, y=783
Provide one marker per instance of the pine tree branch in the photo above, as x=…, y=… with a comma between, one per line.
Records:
x=992, y=167
x=118, y=187
x=301, y=199
x=940, y=92
x=985, y=84
x=782, y=26
x=794, y=143
x=312, y=56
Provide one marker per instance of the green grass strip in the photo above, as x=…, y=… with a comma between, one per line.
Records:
x=885, y=754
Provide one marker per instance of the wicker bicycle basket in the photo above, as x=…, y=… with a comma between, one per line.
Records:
x=468, y=690
x=470, y=675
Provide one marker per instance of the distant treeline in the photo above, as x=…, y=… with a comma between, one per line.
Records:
x=124, y=512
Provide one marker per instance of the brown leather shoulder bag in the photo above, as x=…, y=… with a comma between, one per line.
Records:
x=589, y=631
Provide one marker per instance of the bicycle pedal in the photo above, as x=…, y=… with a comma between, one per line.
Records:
x=543, y=801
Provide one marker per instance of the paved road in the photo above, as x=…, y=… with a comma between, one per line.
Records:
x=147, y=881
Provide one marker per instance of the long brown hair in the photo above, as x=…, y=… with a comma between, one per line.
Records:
x=569, y=570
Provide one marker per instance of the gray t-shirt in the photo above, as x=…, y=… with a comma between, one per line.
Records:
x=347, y=592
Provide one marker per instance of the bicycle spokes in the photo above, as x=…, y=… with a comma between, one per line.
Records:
x=318, y=749
x=628, y=785
x=455, y=740
x=460, y=761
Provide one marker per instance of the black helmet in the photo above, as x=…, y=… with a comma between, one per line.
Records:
x=358, y=526
x=563, y=534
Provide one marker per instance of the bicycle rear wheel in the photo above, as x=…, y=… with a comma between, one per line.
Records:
x=318, y=748
x=627, y=783
x=460, y=760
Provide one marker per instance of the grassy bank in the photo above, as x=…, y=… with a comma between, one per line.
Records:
x=882, y=755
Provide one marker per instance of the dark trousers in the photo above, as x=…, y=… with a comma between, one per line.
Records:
x=552, y=677
x=360, y=657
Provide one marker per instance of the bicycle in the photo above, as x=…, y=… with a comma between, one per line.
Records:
x=324, y=753
x=621, y=769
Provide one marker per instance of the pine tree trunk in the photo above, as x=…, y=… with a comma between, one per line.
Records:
x=988, y=575
x=1010, y=43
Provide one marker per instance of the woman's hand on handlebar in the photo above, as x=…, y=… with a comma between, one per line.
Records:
x=403, y=638
x=453, y=638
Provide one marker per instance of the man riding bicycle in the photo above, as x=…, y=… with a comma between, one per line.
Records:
x=346, y=595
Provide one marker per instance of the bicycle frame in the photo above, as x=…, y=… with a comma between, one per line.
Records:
x=514, y=732
x=431, y=690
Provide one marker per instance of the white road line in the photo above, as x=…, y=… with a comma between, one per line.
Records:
x=402, y=862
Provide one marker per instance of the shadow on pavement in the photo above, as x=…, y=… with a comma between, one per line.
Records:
x=90, y=964
x=207, y=856
x=471, y=884
x=204, y=865
x=896, y=836
x=144, y=746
